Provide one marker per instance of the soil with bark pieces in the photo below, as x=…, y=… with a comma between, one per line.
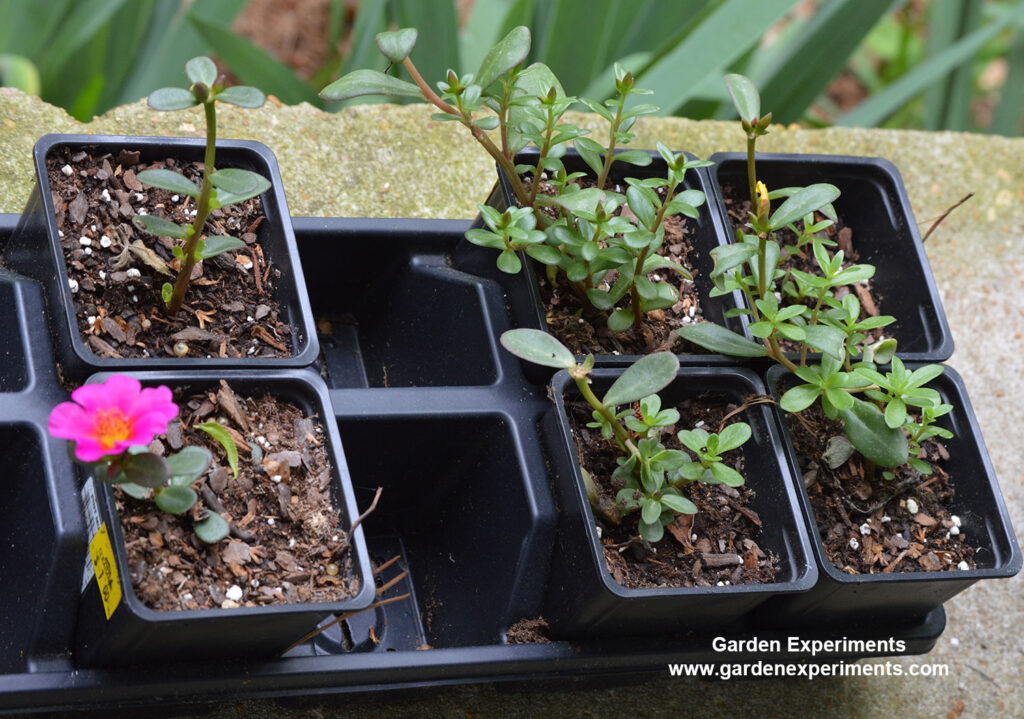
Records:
x=286, y=545
x=864, y=522
x=117, y=270
x=738, y=207
x=584, y=330
x=716, y=545
x=528, y=631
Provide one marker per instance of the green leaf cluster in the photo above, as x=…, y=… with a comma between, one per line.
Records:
x=631, y=415
x=219, y=188
x=808, y=309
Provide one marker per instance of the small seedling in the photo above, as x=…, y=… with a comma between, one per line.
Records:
x=109, y=426
x=581, y=234
x=806, y=309
x=219, y=188
x=653, y=475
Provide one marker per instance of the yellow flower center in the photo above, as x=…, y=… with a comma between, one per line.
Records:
x=111, y=426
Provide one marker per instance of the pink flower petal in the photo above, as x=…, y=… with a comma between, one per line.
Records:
x=69, y=421
x=88, y=449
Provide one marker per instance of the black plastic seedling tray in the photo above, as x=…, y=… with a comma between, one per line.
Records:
x=467, y=507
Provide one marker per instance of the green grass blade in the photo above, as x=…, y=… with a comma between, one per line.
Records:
x=170, y=42
x=254, y=66
x=28, y=25
x=879, y=106
x=17, y=71
x=1007, y=119
x=370, y=20
x=725, y=32
x=438, y=49
x=83, y=21
x=816, y=54
x=481, y=32
x=943, y=24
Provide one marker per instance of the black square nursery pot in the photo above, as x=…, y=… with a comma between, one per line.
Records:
x=874, y=204
x=136, y=634
x=584, y=600
x=526, y=306
x=34, y=250
x=851, y=600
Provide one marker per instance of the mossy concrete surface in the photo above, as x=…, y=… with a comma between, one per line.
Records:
x=393, y=161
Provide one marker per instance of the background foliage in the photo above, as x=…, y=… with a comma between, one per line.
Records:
x=935, y=64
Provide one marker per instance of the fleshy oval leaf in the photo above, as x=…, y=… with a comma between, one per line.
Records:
x=169, y=180
x=158, y=226
x=171, y=98
x=242, y=96
x=646, y=376
x=804, y=200
x=368, y=82
x=201, y=69
x=744, y=96
x=538, y=347
x=176, y=499
x=396, y=45
x=188, y=465
x=212, y=529
x=509, y=52
x=865, y=425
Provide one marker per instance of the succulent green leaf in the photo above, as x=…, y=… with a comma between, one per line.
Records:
x=171, y=98
x=169, y=180
x=639, y=158
x=718, y=339
x=242, y=96
x=509, y=262
x=201, y=69
x=726, y=474
x=133, y=490
x=224, y=438
x=509, y=52
x=188, y=465
x=225, y=196
x=396, y=45
x=646, y=376
x=804, y=200
x=865, y=425
x=925, y=374
x=651, y=531
x=733, y=436
x=145, y=469
x=544, y=254
x=799, y=398
x=538, y=347
x=678, y=504
x=235, y=180
x=895, y=413
x=158, y=226
x=830, y=340
x=576, y=202
x=176, y=499
x=212, y=529
x=744, y=96
x=650, y=510
x=368, y=82
x=217, y=244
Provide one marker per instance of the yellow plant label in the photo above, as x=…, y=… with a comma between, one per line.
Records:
x=102, y=555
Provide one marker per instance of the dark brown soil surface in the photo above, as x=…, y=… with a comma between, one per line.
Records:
x=528, y=631
x=229, y=310
x=718, y=545
x=286, y=544
x=585, y=331
x=738, y=206
x=864, y=522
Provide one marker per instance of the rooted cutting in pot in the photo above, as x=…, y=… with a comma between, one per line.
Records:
x=715, y=546
x=286, y=544
x=116, y=270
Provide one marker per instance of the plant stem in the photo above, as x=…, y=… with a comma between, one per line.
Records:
x=620, y=432
x=762, y=264
x=610, y=152
x=751, y=171
x=202, y=212
x=504, y=162
x=814, y=321
x=642, y=257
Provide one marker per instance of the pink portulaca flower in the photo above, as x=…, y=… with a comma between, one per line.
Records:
x=106, y=419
